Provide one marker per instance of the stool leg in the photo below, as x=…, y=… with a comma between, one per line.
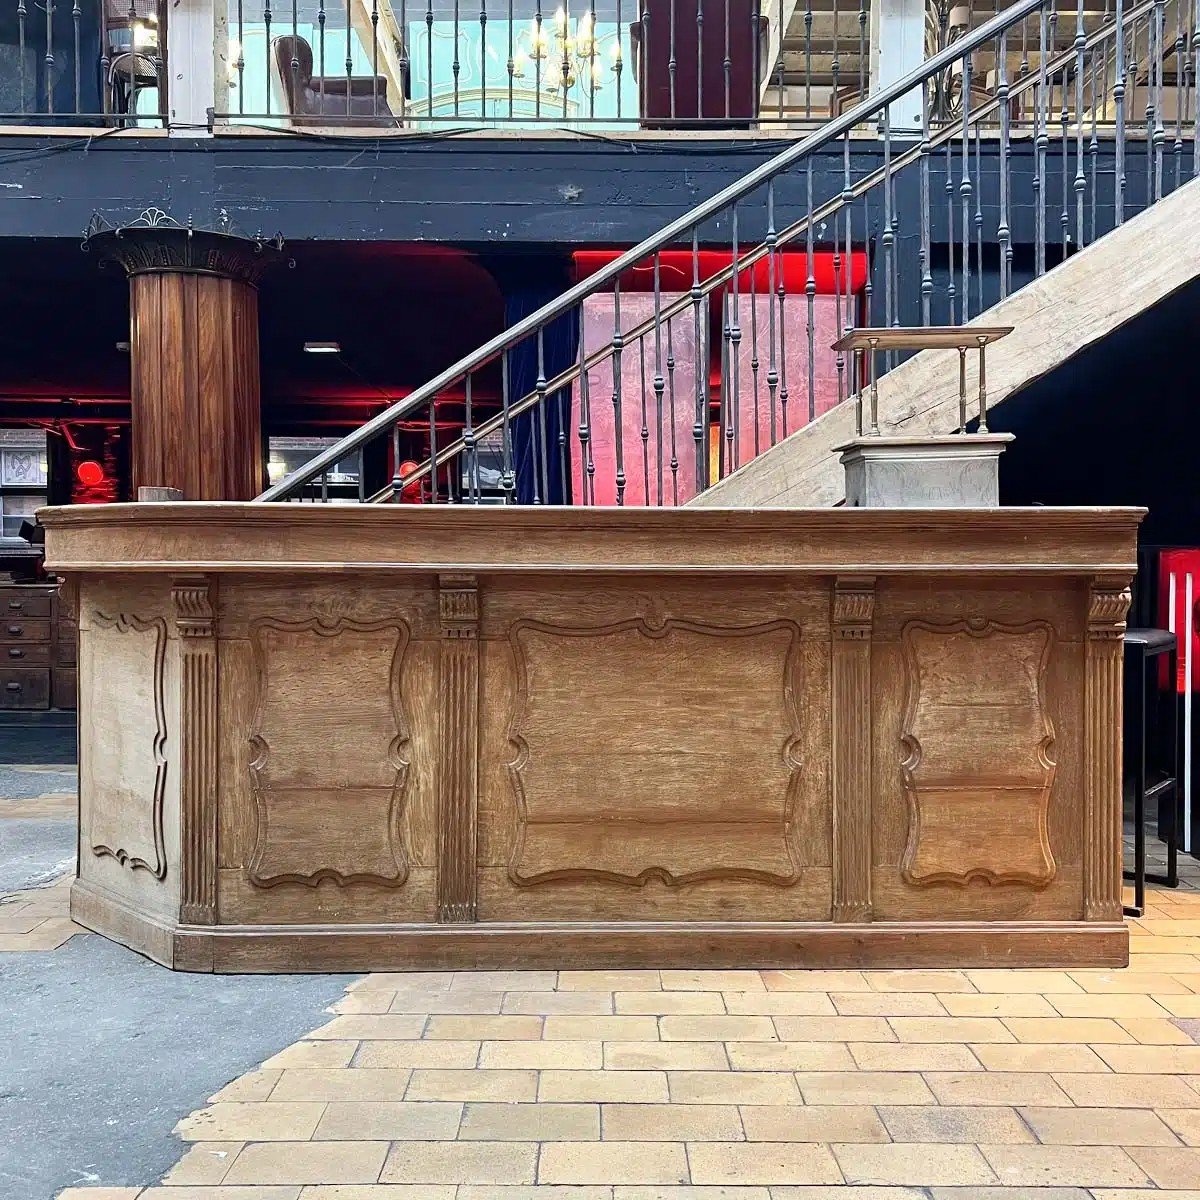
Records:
x=1136, y=725
x=1176, y=830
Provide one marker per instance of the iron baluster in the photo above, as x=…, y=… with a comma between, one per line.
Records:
x=1094, y=142
x=470, y=448
x=1119, y=66
x=587, y=465
x=49, y=58
x=735, y=341
x=836, y=64
x=1064, y=217
x=618, y=343
x=660, y=382
x=862, y=49
x=1041, y=139
x=644, y=432
x=75, y=17
x=1003, y=229
x=511, y=65
x=808, y=27
x=455, y=60
x=672, y=66
x=841, y=266
x=700, y=423
x=810, y=297
x=1180, y=93
x=433, y=448
x=728, y=62
x=21, y=15
x=671, y=403
x=978, y=219
x=1156, y=62
x=752, y=299
x=508, y=482
x=889, y=236
x=926, y=250
x=540, y=494
x=396, y=477
x=772, y=365
x=951, y=289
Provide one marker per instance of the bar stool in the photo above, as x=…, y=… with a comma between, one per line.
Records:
x=1151, y=754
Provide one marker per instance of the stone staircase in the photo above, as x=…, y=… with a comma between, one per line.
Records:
x=1054, y=317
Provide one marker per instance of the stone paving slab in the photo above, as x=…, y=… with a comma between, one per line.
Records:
x=719, y=1085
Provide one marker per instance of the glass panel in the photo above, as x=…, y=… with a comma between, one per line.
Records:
x=17, y=509
x=288, y=454
x=23, y=467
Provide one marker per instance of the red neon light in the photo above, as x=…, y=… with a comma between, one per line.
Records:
x=676, y=270
x=90, y=473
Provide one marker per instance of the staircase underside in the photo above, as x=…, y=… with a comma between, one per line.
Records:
x=1070, y=308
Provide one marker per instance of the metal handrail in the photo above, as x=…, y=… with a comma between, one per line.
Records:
x=786, y=236
x=837, y=127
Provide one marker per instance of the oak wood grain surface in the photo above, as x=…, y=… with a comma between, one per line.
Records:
x=576, y=737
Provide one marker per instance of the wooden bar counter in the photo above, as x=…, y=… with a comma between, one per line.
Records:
x=333, y=738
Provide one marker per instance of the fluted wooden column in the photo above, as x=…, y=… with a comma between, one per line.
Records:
x=458, y=767
x=194, y=361
x=195, y=624
x=1108, y=605
x=850, y=730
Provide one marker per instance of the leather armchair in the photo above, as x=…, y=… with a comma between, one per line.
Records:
x=320, y=100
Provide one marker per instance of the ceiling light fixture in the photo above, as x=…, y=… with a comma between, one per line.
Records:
x=322, y=348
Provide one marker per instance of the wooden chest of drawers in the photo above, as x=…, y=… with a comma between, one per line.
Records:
x=38, y=639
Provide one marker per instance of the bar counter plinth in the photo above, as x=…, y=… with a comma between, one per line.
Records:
x=345, y=738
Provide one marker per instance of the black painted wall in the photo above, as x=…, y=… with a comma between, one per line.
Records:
x=499, y=191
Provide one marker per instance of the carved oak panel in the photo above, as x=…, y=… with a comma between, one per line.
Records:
x=330, y=751
x=977, y=738
x=655, y=748
x=127, y=744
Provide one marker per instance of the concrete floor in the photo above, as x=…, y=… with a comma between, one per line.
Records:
x=103, y=1051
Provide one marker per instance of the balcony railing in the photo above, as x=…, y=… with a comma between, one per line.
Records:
x=591, y=65
x=83, y=62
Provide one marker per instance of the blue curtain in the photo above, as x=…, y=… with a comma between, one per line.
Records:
x=542, y=459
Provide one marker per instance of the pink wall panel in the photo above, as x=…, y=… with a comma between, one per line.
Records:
x=753, y=396
x=644, y=484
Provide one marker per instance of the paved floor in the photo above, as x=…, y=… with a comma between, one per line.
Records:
x=728, y=1085
x=100, y=1055
x=608, y=1085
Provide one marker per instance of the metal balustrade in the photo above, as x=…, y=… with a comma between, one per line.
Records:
x=614, y=64
x=688, y=355
x=83, y=62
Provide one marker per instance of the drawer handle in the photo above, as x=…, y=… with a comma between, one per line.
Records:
x=13, y=687
x=16, y=630
x=16, y=652
x=16, y=605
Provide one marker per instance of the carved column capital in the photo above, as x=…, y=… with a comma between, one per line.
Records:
x=1108, y=606
x=853, y=607
x=192, y=598
x=155, y=243
x=458, y=606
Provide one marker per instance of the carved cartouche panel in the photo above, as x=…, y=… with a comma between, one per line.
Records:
x=655, y=749
x=329, y=744
x=977, y=738
x=127, y=741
